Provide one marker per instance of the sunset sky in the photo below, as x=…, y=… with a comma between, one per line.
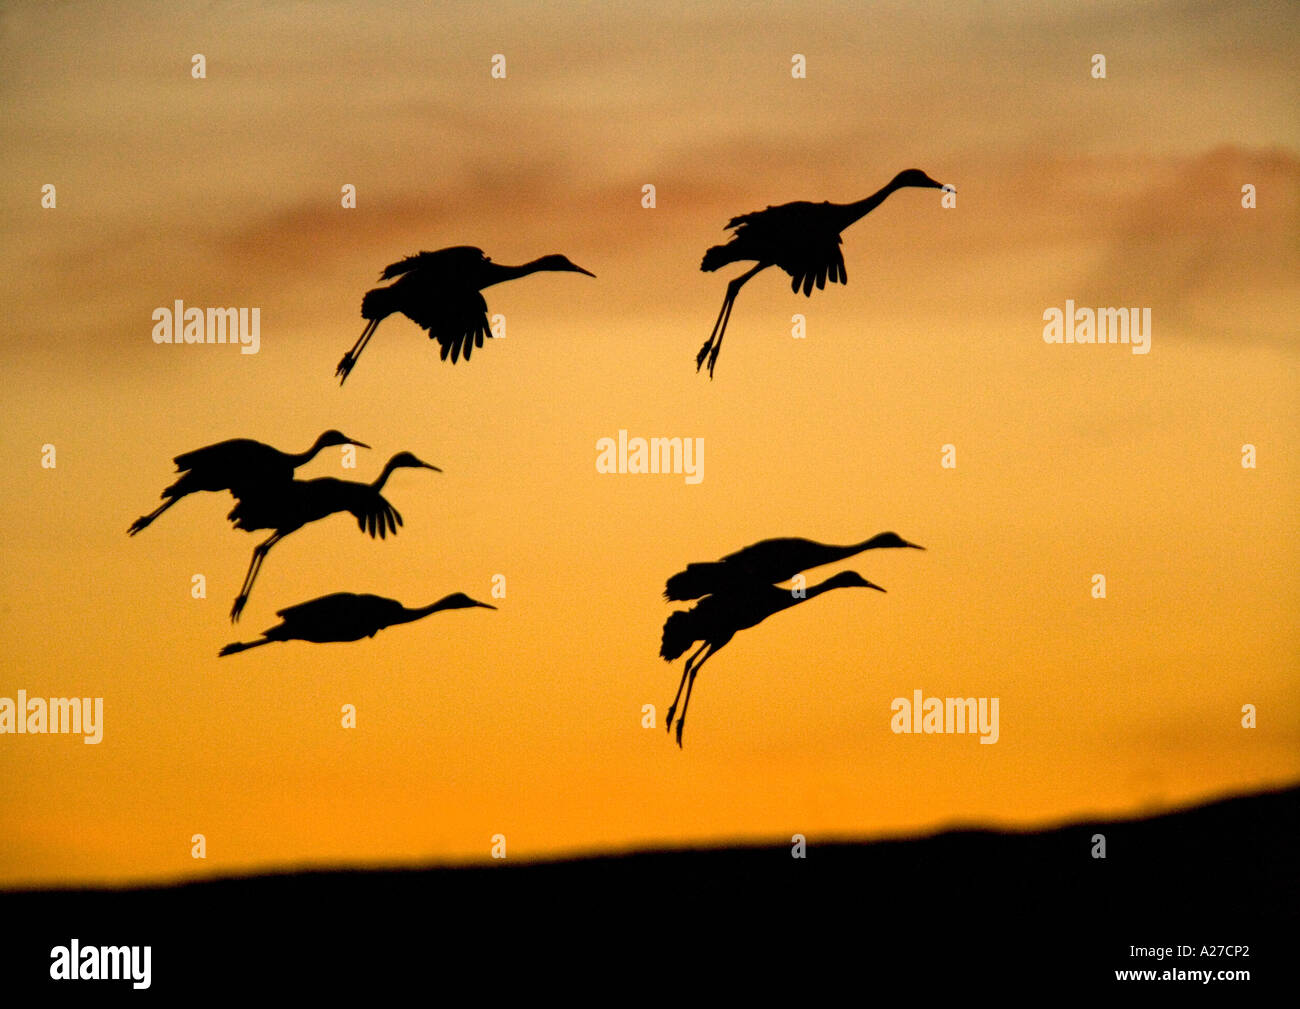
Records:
x=1071, y=460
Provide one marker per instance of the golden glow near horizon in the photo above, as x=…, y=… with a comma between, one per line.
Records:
x=1071, y=459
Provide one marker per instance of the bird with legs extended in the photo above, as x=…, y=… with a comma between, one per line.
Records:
x=440, y=292
x=715, y=620
x=235, y=465
x=802, y=238
x=285, y=508
x=768, y=562
x=346, y=616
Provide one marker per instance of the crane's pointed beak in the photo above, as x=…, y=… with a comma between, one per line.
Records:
x=579, y=269
x=914, y=546
x=358, y=444
x=873, y=585
x=431, y=466
x=486, y=606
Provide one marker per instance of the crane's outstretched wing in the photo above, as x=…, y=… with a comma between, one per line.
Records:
x=240, y=465
x=766, y=562
x=334, y=605
x=818, y=265
x=457, y=319
x=447, y=262
x=441, y=295
x=778, y=223
x=801, y=238
x=376, y=516
x=231, y=452
x=709, y=578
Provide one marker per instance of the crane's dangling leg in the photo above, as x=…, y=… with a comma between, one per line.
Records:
x=714, y=344
x=350, y=358
x=144, y=520
x=690, y=684
x=243, y=646
x=704, y=351
x=681, y=684
x=259, y=554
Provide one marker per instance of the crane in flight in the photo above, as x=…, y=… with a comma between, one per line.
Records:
x=346, y=616
x=287, y=507
x=235, y=465
x=768, y=562
x=715, y=619
x=802, y=238
x=440, y=291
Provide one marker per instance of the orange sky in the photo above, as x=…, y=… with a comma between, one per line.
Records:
x=526, y=721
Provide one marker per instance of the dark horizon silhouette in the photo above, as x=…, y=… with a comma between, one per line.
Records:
x=802, y=238
x=966, y=906
x=769, y=561
x=347, y=616
x=236, y=465
x=715, y=619
x=285, y=508
x=440, y=292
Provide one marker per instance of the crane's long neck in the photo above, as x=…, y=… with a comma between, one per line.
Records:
x=383, y=477
x=790, y=599
x=407, y=614
x=424, y=611
x=299, y=458
x=829, y=553
x=854, y=212
x=503, y=273
x=833, y=582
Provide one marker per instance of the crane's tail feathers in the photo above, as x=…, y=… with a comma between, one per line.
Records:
x=717, y=256
x=689, y=584
x=239, y=515
x=378, y=303
x=178, y=489
x=678, y=635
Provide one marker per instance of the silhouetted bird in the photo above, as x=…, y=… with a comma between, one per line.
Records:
x=234, y=465
x=346, y=616
x=801, y=238
x=714, y=620
x=440, y=292
x=768, y=562
x=290, y=506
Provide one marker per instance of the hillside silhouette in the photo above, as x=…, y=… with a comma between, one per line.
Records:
x=977, y=910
